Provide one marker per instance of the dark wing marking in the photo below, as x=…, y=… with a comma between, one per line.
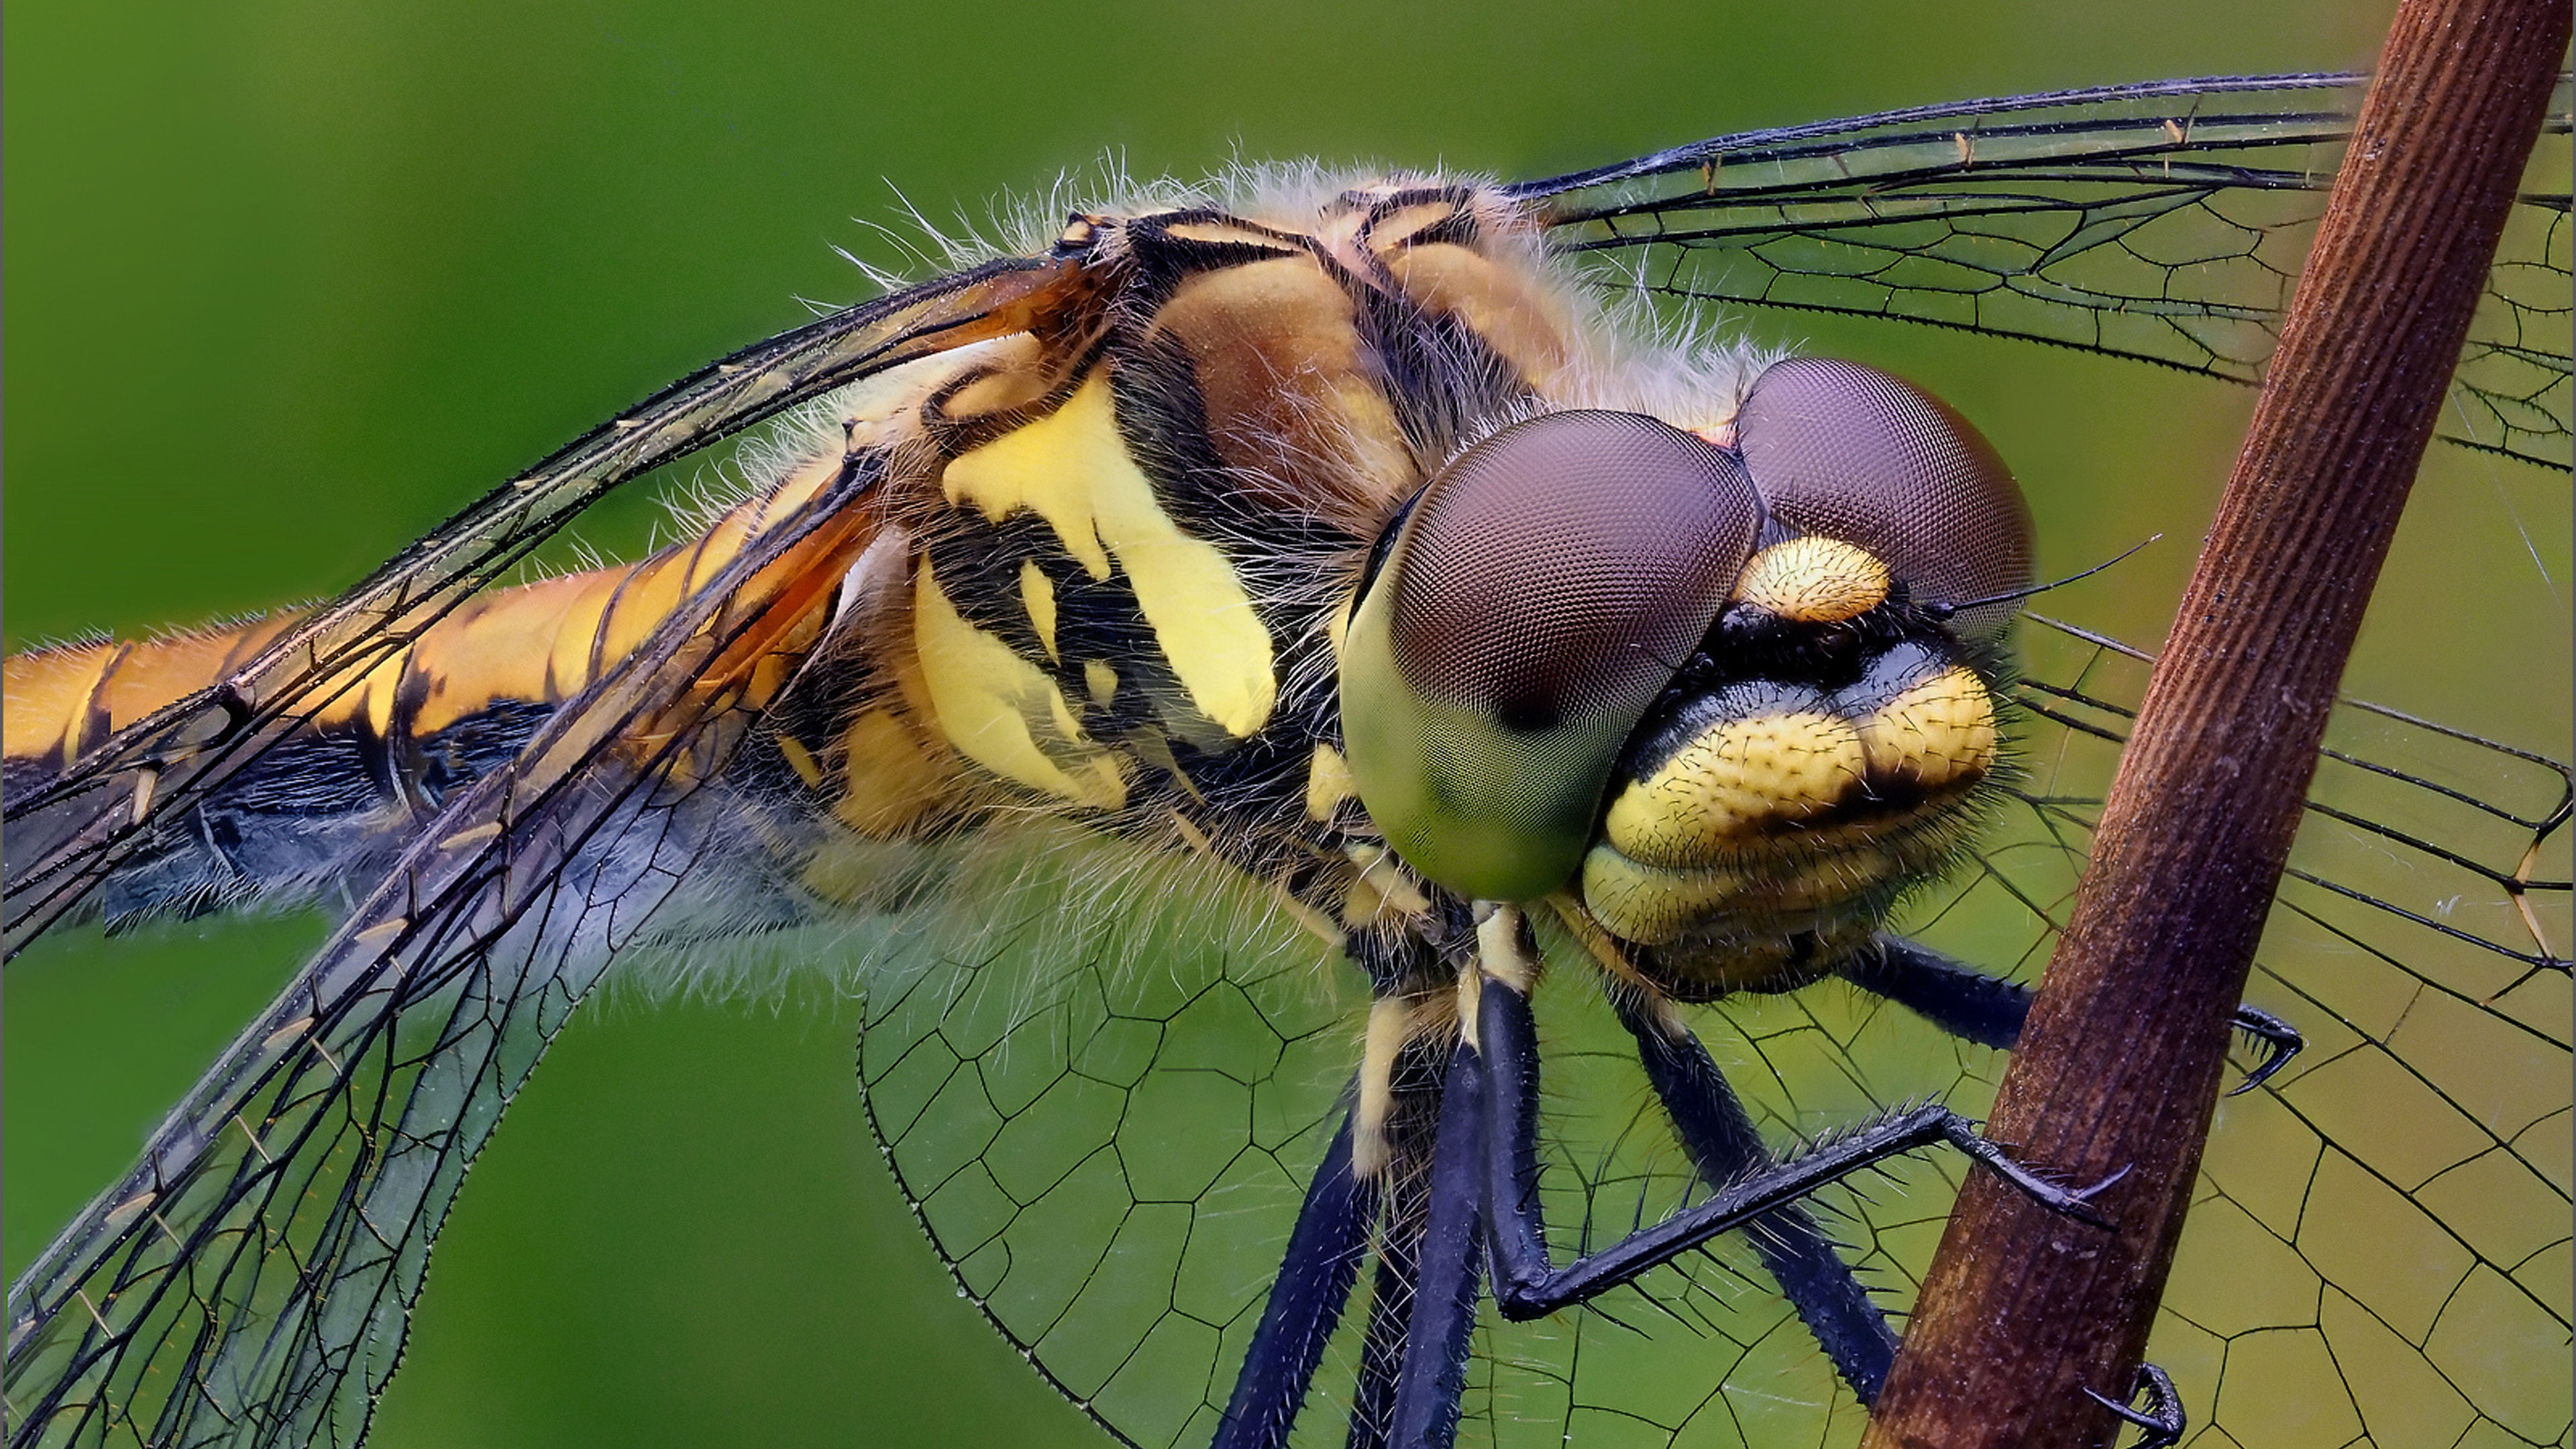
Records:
x=250, y=1282
x=96, y=812
x=2164, y=222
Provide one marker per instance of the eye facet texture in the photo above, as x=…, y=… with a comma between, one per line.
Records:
x=1539, y=598
x=1853, y=453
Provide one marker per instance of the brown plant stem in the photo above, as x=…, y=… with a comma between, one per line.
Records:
x=2120, y=1064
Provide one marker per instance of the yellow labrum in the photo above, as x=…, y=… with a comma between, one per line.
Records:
x=1072, y=469
x=1003, y=712
x=1734, y=782
x=1653, y=904
x=1788, y=815
x=1814, y=581
x=1940, y=731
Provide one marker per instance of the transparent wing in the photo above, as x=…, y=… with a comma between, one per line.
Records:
x=71, y=832
x=1108, y=1141
x=2164, y=222
x=2378, y=1238
x=250, y=1282
x=1106, y=1117
x=2375, y=1253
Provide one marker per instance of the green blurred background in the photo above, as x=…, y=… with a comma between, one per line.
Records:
x=288, y=283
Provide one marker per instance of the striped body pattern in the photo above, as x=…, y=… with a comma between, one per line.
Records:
x=1105, y=570
x=1100, y=574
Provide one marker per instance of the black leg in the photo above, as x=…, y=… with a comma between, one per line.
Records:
x=2281, y=1041
x=1390, y=1308
x=1715, y=1130
x=1452, y=1268
x=2162, y=1418
x=1416, y=1085
x=1315, y=1278
x=1988, y=1010
x=1527, y=1285
x=1959, y=999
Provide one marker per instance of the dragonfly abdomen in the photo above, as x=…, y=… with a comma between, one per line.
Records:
x=373, y=765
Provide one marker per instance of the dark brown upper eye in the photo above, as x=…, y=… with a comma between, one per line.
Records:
x=1853, y=453
x=1533, y=605
x=1560, y=568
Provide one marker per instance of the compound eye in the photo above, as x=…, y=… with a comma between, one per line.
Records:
x=1537, y=599
x=1852, y=453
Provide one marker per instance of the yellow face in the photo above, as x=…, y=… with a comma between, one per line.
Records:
x=1778, y=798
x=1727, y=687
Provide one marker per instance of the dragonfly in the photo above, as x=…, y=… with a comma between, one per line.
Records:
x=1913, y=214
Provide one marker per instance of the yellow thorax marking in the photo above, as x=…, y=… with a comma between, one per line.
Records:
x=1037, y=596
x=801, y=760
x=1072, y=469
x=1389, y=1022
x=1328, y=783
x=1002, y=711
x=887, y=780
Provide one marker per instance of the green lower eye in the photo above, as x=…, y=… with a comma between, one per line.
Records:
x=1489, y=811
x=1528, y=613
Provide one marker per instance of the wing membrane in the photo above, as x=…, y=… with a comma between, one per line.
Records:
x=96, y=813
x=1108, y=1147
x=1106, y=1119
x=2375, y=1231
x=2163, y=222
x=250, y=1281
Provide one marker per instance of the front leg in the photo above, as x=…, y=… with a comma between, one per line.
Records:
x=1527, y=1284
x=1449, y=1284
x=1482, y=1190
x=1988, y=1010
x=1306, y=1300
x=1718, y=1134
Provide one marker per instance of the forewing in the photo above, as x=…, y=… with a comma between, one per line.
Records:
x=2376, y=1239
x=249, y=1283
x=73, y=830
x=2164, y=222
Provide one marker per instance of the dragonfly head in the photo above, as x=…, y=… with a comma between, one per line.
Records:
x=1713, y=683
